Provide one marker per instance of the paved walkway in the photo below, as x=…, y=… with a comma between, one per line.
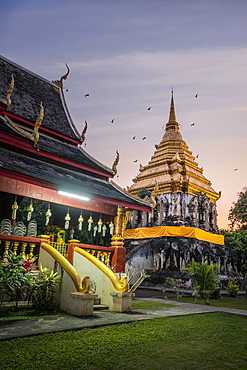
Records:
x=23, y=328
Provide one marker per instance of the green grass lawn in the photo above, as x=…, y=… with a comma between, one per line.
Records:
x=208, y=341
x=23, y=313
x=138, y=304
x=239, y=302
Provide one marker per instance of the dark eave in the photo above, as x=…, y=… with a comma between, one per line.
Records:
x=57, y=178
x=30, y=125
x=52, y=149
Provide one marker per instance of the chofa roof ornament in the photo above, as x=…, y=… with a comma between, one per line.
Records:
x=35, y=133
x=115, y=163
x=59, y=83
x=9, y=93
x=153, y=194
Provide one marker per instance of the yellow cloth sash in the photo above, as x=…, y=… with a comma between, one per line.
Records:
x=187, y=232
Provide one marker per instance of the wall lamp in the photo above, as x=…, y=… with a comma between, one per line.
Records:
x=71, y=195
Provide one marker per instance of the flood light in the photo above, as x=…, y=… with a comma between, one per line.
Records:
x=71, y=195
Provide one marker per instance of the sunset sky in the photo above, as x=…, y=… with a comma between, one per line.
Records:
x=127, y=55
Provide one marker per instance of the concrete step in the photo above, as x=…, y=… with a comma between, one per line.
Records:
x=98, y=307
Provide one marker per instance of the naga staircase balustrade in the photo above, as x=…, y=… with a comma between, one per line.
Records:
x=112, y=257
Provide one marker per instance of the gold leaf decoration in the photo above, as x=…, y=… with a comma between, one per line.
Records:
x=115, y=163
x=9, y=93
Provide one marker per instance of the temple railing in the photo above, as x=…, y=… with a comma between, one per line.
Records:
x=60, y=247
x=112, y=257
x=103, y=254
x=19, y=245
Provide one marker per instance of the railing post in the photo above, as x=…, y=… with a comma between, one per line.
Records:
x=119, y=255
x=6, y=250
x=118, y=259
x=23, y=250
x=15, y=246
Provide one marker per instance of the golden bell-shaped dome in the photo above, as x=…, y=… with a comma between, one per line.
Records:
x=173, y=166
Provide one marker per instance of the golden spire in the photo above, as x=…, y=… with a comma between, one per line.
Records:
x=172, y=116
x=172, y=122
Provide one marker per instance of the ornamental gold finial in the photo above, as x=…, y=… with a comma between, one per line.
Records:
x=125, y=220
x=115, y=163
x=59, y=83
x=9, y=93
x=83, y=134
x=141, y=168
x=37, y=125
x=153, y=195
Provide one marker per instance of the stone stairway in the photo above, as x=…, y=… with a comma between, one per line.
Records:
x=98, y=305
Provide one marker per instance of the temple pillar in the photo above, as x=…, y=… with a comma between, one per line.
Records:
x=119, y=255
x=161, y=211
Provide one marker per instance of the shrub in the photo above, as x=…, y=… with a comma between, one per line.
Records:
x=18, y=283
x=232, y=288
x=206, y=281
x=15, y=278
x=176, y=284
x=44, y=289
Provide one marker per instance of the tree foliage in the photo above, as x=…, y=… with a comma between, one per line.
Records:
x=142, y=193
x=236, y=236
x=236, y=240
x=238, y=211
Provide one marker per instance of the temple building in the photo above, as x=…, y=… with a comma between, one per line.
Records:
x=49, y=185
x=184, y=196
x=183, y=221
x=55, y=196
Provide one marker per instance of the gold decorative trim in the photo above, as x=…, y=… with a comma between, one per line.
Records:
x=135, y=196
x=115, y=163
x=125, y=220
x=153, y=194
x=81, y=285
x=83, y=134
x=120, y=285
x=35, y=133
x=38, y=124
x=9, y=93
x=59, y=83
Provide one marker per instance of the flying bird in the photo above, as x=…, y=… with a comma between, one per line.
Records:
x=196, y=95
x=197, y=155
x=149, y=108
x=134, y=137
x=67, y=90
x=193, y=124
x=236, y=169
x=144, y=138
x=112, y=120
x=86, y=95
x=136, y=161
